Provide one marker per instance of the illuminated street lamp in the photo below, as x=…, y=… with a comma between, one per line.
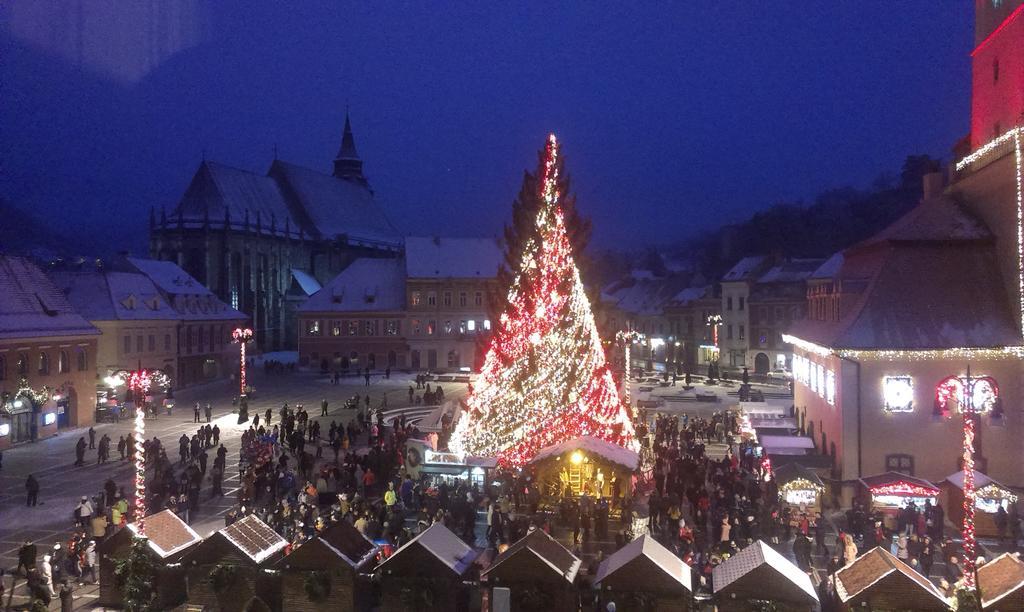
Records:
x=627, y=337
x=241, y=336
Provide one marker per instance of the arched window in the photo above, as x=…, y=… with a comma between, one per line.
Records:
x=62, y=362
x=44, y=364
x=83, y=359
x=22, y=365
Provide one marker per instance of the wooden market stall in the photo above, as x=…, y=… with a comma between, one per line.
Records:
x=427, y=573
x=877, y=580
x=645, y=569
x=226, y=570
x=589, y=464
x=538, y=571
x=894, y=490
x=323, y=573
x=799, y=487
x=759, y=573
x=989, y=496
x=168, y=539
x=1001, y=583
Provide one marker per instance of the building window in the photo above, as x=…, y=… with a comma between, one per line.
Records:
x=743, y=330
x=415, y=298
x=392, y=327
x=743, y=302
x=3, y=368
x=448, y=328
x=313, y=327
x=453, y=359
x=234, y=298
x=353, y=328
x=462, y=299
x=728, y=331
x=830, y=387
x=83, y=360
x=152, y=343
x=487, y=324
x=728, y=303
x=62, y=363
x=462, y=327
x=167, y=342
x=138, y=343
x=44, y=364
x=127, y=344
x=432, y=299
x=478, y=299
x=447, y=298
x=416, y=327
x=898, y=393
x=471, y=325
x=370, y=328
x=23, y=365
x=431, y=327
x=335, y=328
x=901, y=463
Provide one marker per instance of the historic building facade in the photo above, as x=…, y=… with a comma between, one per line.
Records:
x=152, y=313
x=427, y=311
x=47, y=357
x=926, y=316
x=256, y=239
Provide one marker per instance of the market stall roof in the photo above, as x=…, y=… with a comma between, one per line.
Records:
x=823, y=462
x=759, y=569
x=257, y=540
x=341, y=540
x=781, y=442
x=897, y=479
x=167, y=534
x=980, y=481
x=787, y=422
x=611, y=452
x=438, y=542
x=544, y=547
x=795, y=471
x=878, y=566
x=644, y=561
x=1000, y=578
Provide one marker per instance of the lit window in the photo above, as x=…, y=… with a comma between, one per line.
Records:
x=447, y=327
x=743, y=331
x=353, y=328
x=416, y=298
x=487, y=324
x=898, y=393
x=335, y=328
x=234, y=298
x=431, y=327
x=462, y=327
x=472, y=325
x=949, y=393
x=819, y=371
x=313, y=328
x=830, y=387
x=415, y=327
x=62, y=364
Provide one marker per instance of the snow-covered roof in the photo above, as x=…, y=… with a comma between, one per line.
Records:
x=646, y=546
x=100, y=294
x=306, y=281
x=790, y=271
x=367, y=285
x=644, y=296
x=753, y=557
x=32, y=306
x=829, y=268
x=189, y=298
x=169, y=277
x=744, y=269
x=691, y=294
x=433, y=257
x=590, y=444
x=871, y=567
x=1000, y=577
x=980, y=480
x=545, y=548
x=167, y=534
x=440, y=542
x=254, y=538
x=775, y=442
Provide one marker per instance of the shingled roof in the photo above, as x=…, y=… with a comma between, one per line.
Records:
x=958, y=300
x=759, y=572
x=879, y=577
x=257, y=540
x=167, y=534
x=341, y=540
x=545, y=548
x=437, y=542
x=1000, y=578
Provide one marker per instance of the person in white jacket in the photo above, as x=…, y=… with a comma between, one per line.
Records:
x=46, y=573
x=89, y=565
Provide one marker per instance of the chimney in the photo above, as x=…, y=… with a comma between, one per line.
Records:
x=932, y=185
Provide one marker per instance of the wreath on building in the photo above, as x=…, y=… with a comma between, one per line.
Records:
x=223, y=576
x=317, y=585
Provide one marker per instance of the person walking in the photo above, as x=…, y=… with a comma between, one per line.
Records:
x=92, y=438
x=46, y=574
x=80, y=451
x=366, y=375
x=323, y=407
x=67, y=598
x=89, y=562
x=26, y=557
x=195, y=413
x=32, y=489
x=208, y=411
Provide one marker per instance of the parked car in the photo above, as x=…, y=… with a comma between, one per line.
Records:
x=780, y=374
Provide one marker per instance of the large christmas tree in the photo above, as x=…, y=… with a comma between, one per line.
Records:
x=544, y=378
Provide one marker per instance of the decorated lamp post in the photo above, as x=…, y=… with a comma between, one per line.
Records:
x=241, y=336
x=967, y=529
x=139, y=382
x=627, y=337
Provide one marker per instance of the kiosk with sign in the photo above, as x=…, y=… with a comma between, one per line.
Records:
x=799, y=487
x=989, y=496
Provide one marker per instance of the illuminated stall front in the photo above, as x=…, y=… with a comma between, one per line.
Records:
x=799, y=487
x=892, y=491
x=989, y=496
x=586, y=464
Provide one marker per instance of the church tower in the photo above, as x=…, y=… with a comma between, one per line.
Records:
x=347, y=164
x=997, y=69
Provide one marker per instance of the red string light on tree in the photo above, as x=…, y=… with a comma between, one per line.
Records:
x=545, y=378
x=241, y=336
x=139, y=382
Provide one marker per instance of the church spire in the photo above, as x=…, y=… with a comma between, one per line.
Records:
x=347, y=164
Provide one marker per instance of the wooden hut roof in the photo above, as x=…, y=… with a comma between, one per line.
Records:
x=440, y=543
x=1000, y=577
x=610, y=452
x=167, y=534
x=341, y=540
x=634, y=562
x=795, y=471
x=254, y=538
x=869, y=569
x=898, y=479
x=544, y=547
x=758, y=567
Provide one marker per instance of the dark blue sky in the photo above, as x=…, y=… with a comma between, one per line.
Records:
x=674, y=117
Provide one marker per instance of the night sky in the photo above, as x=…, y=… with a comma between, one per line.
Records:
x=674, y=117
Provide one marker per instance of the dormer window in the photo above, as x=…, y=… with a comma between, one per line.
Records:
x=129, y=302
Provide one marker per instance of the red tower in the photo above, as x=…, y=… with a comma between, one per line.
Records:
x=997, y=69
